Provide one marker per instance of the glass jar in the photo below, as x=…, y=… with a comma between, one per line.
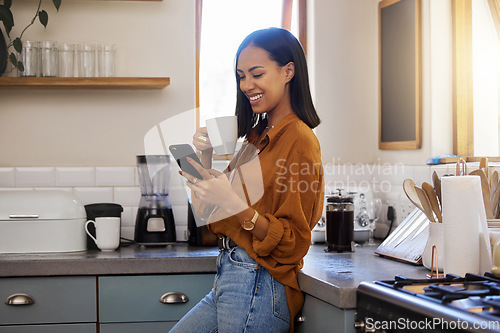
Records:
x=49, y=59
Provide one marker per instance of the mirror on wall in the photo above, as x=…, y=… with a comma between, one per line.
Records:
x=400, y=110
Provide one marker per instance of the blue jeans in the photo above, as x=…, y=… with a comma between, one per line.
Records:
x=245, y=298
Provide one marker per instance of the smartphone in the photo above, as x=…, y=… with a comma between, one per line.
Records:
x=180, y=152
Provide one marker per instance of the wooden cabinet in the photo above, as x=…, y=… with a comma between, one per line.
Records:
x=133, y=303
x=53, y=304
x=319, y=316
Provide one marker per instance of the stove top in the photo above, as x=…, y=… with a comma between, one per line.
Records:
x=451, y=303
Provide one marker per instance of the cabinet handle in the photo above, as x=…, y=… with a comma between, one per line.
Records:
x=19, y=299
x=174, y=297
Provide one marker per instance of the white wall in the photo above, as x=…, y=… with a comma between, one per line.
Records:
x=101, y=127
x=345, y=81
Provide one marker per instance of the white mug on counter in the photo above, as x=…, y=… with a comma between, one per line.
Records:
x=223, y=133
x=107, y=231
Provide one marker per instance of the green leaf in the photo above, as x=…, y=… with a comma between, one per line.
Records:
x=20, y=66
x=6, y=18
x=13, y=59
x=18, y=45
x=57, y=4
x=43, y=17
x=7, y=3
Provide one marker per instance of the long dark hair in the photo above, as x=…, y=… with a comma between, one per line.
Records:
x=283, y=48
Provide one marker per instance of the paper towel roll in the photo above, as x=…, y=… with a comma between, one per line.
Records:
x=465, y=226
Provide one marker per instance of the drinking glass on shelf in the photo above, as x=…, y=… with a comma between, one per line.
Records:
x=30, y=58
x=66, y=60
x=48, y=59
x=86, y=60
x=106, y=60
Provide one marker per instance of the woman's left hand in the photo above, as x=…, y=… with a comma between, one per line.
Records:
x=214, y=188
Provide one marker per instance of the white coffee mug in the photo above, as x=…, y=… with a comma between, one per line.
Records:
x=107, y=230
x=223, y=133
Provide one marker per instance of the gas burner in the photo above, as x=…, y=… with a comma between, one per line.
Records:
x=473, y=300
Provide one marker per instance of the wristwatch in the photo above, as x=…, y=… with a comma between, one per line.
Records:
x=249, y=225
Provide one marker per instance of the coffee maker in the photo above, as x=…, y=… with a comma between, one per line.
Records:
x=155, y=220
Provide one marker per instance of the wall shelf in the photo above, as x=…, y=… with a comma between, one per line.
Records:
x=75, y=83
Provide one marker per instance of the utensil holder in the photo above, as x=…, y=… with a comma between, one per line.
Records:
x=436, y=237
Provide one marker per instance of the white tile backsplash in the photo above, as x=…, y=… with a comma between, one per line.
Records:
x=35, y=176
x=77, y=176
x=88, y=195
x=128, y=216
x=114, y=176
x=7, y=177
x=127, y=196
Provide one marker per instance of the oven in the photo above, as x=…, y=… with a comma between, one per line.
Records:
x=445, y=304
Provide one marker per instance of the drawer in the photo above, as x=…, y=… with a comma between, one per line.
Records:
x=137, y=298
x=64, y=328
x=143, y=327
x=57, y=300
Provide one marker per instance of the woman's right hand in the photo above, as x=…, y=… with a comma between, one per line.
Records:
x=201, y=140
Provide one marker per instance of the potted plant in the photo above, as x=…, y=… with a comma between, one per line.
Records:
x=15, y=44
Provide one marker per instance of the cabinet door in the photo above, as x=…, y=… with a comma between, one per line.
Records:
x=137, y=298
x=56, y=300
x=73, y=328
x=320, y=316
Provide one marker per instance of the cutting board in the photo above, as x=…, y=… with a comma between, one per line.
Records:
x=407, y=242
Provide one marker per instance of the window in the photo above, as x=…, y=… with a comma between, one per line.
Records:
x=221, y=27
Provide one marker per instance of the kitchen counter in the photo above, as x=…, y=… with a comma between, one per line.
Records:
x=331, y=277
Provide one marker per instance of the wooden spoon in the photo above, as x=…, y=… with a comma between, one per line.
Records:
x=493, y=187
x=426, y=205
x=431, y=194
x=486, y=191
x=409, y=188
x=437, y=187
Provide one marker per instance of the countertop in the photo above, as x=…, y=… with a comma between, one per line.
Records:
x=331, y=277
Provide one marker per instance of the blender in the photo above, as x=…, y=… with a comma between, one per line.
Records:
x=155, y=220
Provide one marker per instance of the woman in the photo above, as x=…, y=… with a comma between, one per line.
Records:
x=261, y=244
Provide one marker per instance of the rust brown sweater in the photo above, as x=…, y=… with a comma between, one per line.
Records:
x=292, y=200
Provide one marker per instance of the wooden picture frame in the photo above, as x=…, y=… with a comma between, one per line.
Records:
x=400, y=89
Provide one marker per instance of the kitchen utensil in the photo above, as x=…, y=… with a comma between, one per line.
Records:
x=483, y=165
x=431, y=194
x=155, y=219
x=409, y=188
x=437, y=186
x=486, y=191
x=426, y=205
x=461, y=167
x=340, y=223
x=493, y=186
